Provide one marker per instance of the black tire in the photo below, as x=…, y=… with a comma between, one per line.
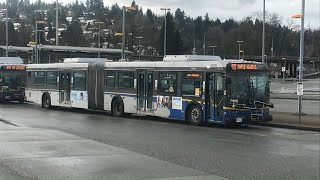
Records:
x=21, y=100
x=117, y=108
x=46, y=101
x=194, y=115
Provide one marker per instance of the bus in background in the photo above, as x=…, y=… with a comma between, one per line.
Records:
x=12, y=79
x=197, y=89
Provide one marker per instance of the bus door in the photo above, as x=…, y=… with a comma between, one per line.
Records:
x=214, y=96
x=64, y=86
x=145, y=90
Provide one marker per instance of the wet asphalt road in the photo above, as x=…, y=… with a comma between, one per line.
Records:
x=251, y=152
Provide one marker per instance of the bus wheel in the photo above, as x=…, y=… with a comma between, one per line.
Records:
x=21, y=100
x=117, y=107
x=194, y=115
x=46, y=101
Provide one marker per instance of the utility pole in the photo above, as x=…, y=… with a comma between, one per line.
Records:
x=57, y=23
x=263, y=31
x=165, y=30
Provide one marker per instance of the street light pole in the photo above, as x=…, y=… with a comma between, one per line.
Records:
x=213, y=49
x=285, y=67
x=7, y=31
x=301, y=56
x=313, y=67
x=165, y=30
x=123, y=32
x=39, y=50
x=99, y=42
x=36, y=40
x=204, y=43
x=99, y=36
x=139, y=39
x=124, y=8
x=302, y=15
x=240, y=48
x=266, y=58
x=57, y=23
x=263, y=31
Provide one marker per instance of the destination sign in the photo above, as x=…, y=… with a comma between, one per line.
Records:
x=13, y=67
x=193, y=75
x=245, y=66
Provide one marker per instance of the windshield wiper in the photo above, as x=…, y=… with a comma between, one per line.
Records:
x=254, y=90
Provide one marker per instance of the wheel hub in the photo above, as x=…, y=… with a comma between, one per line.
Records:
x=195, y=114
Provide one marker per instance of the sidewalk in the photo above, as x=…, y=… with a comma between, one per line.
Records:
x=314, y=96
x=310, y=122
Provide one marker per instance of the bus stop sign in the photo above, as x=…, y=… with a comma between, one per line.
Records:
x=300, y=89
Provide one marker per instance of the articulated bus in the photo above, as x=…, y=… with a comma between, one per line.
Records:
x=12, y=79
x=193, y=88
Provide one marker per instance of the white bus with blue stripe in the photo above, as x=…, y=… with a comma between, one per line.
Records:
x=193, y=88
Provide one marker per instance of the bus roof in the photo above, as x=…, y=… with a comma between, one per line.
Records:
x=11, y=60
x=84, y=60
x=170, y=62
x=184, y=58
x=57, y=66
x=173, y=64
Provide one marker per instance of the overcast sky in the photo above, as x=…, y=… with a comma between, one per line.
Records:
x=225, y=9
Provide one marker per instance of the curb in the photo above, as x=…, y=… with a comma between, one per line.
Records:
x=287, y=126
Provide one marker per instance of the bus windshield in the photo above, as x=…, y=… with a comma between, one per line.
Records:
x=249, y=86
x=12, y=80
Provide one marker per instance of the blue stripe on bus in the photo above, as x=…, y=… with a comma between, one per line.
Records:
x=121, y=94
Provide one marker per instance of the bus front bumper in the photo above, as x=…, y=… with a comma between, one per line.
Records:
x=9, y=96
x=247, y=119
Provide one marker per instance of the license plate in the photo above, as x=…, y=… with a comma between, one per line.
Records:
x=7, y=97
x=239, y=120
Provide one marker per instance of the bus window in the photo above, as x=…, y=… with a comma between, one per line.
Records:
x=29, y=74
x=191, y=84
x=167, y=83
x=52, y=78
x=110, y=79
x=126, y=80
x=79, y=81
x=39, y=78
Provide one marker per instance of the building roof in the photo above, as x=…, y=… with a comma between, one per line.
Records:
x=65, y=49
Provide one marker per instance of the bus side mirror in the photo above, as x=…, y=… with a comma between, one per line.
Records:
x=228, y=80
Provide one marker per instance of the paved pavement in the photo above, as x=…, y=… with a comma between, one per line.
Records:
x=33, y=153
x=76, y=144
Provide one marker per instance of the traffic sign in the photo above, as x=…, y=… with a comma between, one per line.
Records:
x=283, y=69
x=300, y=88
